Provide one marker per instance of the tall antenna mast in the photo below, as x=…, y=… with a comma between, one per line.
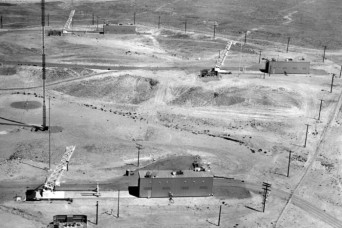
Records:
x=43, y=65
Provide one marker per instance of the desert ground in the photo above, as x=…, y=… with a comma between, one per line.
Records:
x=105, y=93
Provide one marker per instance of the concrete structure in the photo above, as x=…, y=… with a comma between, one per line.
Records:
x=162, y=183
x=119, y=29
x=79, y=221
x=287, y=67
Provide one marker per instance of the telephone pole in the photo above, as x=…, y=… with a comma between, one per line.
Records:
x=306, y=135
x=219, y=218
x=97, y=212
x=325, y=47
x=288, y=167
x=48, y=19
x=134, y=18
x=139, y=147
x=185, y=26
x=49, y=135
x=266, y=187
x=320, y=108
x=1, y=21
x=288, y=43
x=332, y=82
x=214, y=30
x=43, y=63
x=246, y=37
x=118, y=213
x=93, y=21
x=159, y=22
x=259, y=56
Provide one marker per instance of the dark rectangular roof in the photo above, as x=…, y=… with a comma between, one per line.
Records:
x=168, y=174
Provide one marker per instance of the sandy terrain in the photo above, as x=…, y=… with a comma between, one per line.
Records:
x=243, y=126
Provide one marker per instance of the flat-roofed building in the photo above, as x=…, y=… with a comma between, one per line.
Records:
x=163, y=183
x=119, y=29
x=287, y=67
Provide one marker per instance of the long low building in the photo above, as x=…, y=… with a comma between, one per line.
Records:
x=287, y=67
x=119, y=29
x=166, y=183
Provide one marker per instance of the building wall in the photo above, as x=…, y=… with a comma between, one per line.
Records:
x=178, y=186
x=119, y=29
x=280, y=67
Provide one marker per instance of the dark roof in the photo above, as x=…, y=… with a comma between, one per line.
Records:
x=168, y=174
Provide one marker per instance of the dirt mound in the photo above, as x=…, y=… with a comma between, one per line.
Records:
x=123, y=89
x=257, y=95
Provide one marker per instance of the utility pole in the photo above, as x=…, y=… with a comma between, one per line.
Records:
x=219, y=218
x=134, y=19
x=48, y=19
x=118, y=213
x=43, y=63
x=97, y=212
x=332, y=82
x=306, y=135
x=185, y=26
x=325, y=47
x=246, y=37
x=320, y=108
x=214, y=30
x=93, y=19
x=1, y=21
x=266, y=187
x=97, y=23
x=158, y=22
x=259, y=56
x=341, y=72
x=288, y=43
x=139, y=147
x=288, y=167
x=49, y=135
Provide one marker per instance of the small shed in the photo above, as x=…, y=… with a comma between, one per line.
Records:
x=187, y=183
x=287, y=67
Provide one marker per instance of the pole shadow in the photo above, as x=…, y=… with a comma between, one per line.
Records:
x=45, y=168
x=252, y=208
x=212, y=223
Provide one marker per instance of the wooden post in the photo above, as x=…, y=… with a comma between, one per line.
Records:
x=340, y=71
x=48, y=19
x=288, y=43
x=219, y=218
x=138, y=156
x=1, y=21
x=320, y=108
x=306, y=135
x=134, y=19
x=159, y=22
x=325, y=47
x=93, y=19
x=214, y=30
x=288, y=167
x=259, y=56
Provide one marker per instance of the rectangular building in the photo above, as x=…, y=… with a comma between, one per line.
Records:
x=287, y=67
x=119, y=29
x=187, y=183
